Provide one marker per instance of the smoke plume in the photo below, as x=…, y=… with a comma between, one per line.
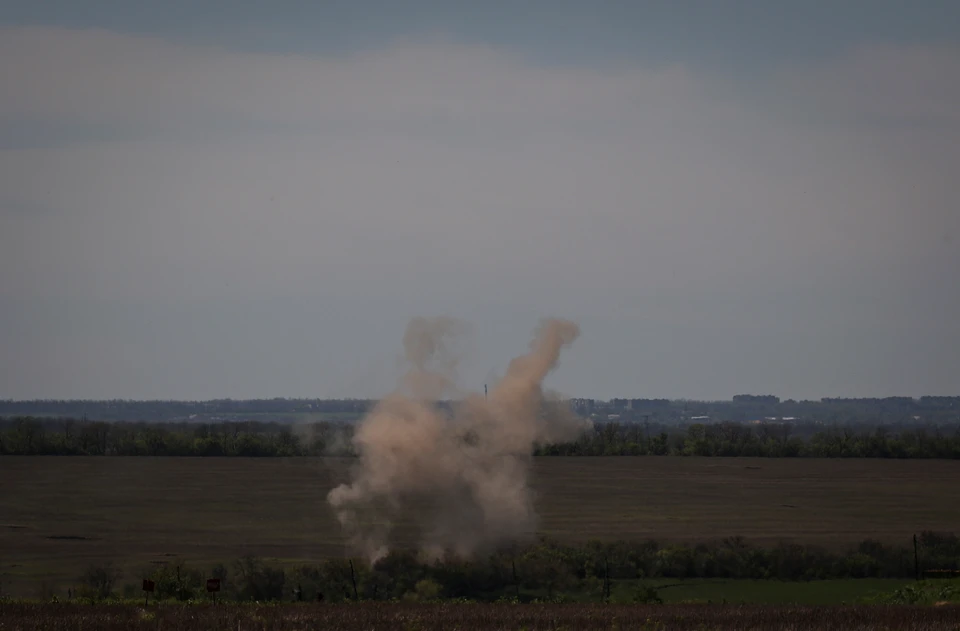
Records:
x=460, y=473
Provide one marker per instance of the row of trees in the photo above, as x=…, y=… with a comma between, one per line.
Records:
x=545, y=570
x=32, y=436
x=770, y=440
x=70, y=437
x=127, y=410
x=742, y=408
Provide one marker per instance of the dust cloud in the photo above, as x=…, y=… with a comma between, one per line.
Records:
x=459, y=472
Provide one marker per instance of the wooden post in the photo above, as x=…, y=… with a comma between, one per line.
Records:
x=606, y=580
x=916, y=559
x=213, y=586
x=353, y=579
x=516, y=583
x=148, y=586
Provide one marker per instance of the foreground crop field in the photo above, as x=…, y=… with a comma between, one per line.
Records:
x=59, y=514
x=475, y=617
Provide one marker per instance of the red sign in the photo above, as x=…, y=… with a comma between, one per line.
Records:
x=213, y=584
x=148, y=585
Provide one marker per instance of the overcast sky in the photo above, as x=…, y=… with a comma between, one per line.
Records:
x=238, y=199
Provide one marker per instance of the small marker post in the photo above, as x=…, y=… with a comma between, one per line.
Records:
x=148, y=586
x=213, y=586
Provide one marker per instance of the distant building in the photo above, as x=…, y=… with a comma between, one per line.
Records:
x=767, y=399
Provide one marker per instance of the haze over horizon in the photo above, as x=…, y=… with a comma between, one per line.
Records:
x=247, y=200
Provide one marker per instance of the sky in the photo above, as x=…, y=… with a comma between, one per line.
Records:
x=249, y=200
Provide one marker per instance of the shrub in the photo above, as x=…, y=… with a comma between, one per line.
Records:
x=256, y=581
x=98, y=581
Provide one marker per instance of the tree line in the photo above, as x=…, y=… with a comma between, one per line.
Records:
x=768, y=440
x=742, y=408
x=127, y=410
x=72, y=437
x=545, y=570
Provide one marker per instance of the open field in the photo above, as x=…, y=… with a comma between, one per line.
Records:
x=59, y=514
x=828, y=592
x=477, y=617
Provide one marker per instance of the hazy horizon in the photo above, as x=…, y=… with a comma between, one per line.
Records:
x=467, y=393
x=237, y=200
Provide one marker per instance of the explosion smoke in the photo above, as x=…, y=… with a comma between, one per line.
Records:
x=465, y=473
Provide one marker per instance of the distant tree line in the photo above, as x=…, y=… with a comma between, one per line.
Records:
x=756, y=408
x=125, y=410
x=72, y=437
x=742, y=408
x=769, y=440
x=545, y=570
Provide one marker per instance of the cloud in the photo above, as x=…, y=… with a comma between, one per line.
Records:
x=436, y=141
x=645, y=191
x=96, y=76
x=883, y=84
x=25, y=207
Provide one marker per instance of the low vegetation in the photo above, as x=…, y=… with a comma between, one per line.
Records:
x=547, y=571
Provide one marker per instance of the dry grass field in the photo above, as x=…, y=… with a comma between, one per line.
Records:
x=59, y=514
x=371, y=617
